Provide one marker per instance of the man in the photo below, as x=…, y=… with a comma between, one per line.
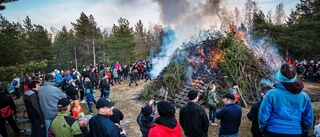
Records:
x=234, y=91
x=286, y=111
x=101, y=125
x=16, y=84
x=63, y=125
x=32, y=104
x=230, y=117
x=49, y=95
x=253, y=114
x=193, y=118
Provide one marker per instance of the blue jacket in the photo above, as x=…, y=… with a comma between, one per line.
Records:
x=286, y=110
x=230, y=117
x=58, y=78
x=102, y=126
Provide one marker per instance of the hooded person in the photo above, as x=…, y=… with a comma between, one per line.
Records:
x=146, y=118
x=288, y=104
x=165, y=125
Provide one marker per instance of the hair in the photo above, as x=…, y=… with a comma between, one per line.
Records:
x=288, y=70
x=33, y=84
x=265, y=89
x=63, y=109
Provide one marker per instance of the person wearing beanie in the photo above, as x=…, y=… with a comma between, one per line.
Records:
x=166, y=124
x=77, y=109
x=193, y=118
x=63, y=125
x=146, y=118
x=286, y=110
x=230, y=117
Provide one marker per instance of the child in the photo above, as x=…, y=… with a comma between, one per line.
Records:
x=77, y=109
x=145, y=119
x=132, y=78
x=83, y=123
x=90, y=100
x=317, y=129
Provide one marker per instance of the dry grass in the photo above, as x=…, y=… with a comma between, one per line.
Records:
x=126, y=100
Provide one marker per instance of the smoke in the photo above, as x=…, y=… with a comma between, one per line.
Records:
x=187, y=18
x=270, y=55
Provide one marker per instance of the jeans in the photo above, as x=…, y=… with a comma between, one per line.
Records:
x=106, y=93
x=233, y=135
x=90, y=107
x=212, y=113
x=47, y=121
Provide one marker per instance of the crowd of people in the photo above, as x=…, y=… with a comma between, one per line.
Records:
x=53, y=109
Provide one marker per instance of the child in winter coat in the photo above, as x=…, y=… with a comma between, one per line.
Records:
x=77, y=109
x=90, y=100
x=145, y=119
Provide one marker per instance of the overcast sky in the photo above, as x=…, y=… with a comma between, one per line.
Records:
x=58, y=13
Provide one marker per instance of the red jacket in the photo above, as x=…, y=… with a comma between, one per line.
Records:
x=162, y=131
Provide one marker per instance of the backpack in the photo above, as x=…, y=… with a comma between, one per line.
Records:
x=14, y=82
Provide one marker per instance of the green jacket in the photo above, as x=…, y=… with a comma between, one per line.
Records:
x=212, y=99
x=65, y=126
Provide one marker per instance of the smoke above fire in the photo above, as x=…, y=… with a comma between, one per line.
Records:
x=185, y=19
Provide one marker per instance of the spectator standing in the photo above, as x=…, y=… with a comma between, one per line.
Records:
x=6, y=100
x=104, y=87
x=193, y=118
x=63, y=125
x=70, y=89
x=77, y=109
x=58, y=79
x=117, y=116
x=317, y=129
x=90, y=100
x=166, y=124
x=286, y=110
x=100, y=124
x=145, y=119
x=31, y=101
x=230, y=117
x=253, y=114
x=49, y=95
x=234, y=91
x=16, y=84
x=212, y=104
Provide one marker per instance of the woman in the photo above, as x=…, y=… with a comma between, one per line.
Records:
x=32, y=104
x=6, y=100
x=212, y=104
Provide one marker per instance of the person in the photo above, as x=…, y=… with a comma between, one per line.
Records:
x=70, y=89
x=31, y=102
x=286, y=110
x=316, y=130
x=58, y=79
x=6, y=100
x=253, y=114
x=212, y=104
x=83, y=123
x=16, y=84
x=230, y=117
x=63, y=125
x=104, y=87
x=90, y=100
x=132, y=78
x=166, y=124
x=234, y=91
x=117, y=116
x=193, y=118
x=100, y=124
x=145, y=119
x=49, y=95
x=77, y=109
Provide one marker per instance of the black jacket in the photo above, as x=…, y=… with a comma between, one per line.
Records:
x=71, y=91
x=253, y=116
x=31, y=101
x=6, y=100
x=194, y=120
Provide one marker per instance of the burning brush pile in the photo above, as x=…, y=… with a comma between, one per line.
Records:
x=216, y=59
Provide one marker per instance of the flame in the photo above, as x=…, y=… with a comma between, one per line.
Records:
x=240, y=35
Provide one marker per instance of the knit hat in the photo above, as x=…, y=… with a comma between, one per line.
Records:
x=283, y=78
x=192, y=94
x=165, y=109
x=68, y=78
x=76, y=102
x=287, y=73
x=146, y=109
x=63, y=102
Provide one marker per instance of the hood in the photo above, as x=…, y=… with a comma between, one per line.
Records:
x=294, y=87
x=170, y=122
x=169, y=130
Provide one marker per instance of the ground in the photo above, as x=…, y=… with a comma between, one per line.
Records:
x=127, y=101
